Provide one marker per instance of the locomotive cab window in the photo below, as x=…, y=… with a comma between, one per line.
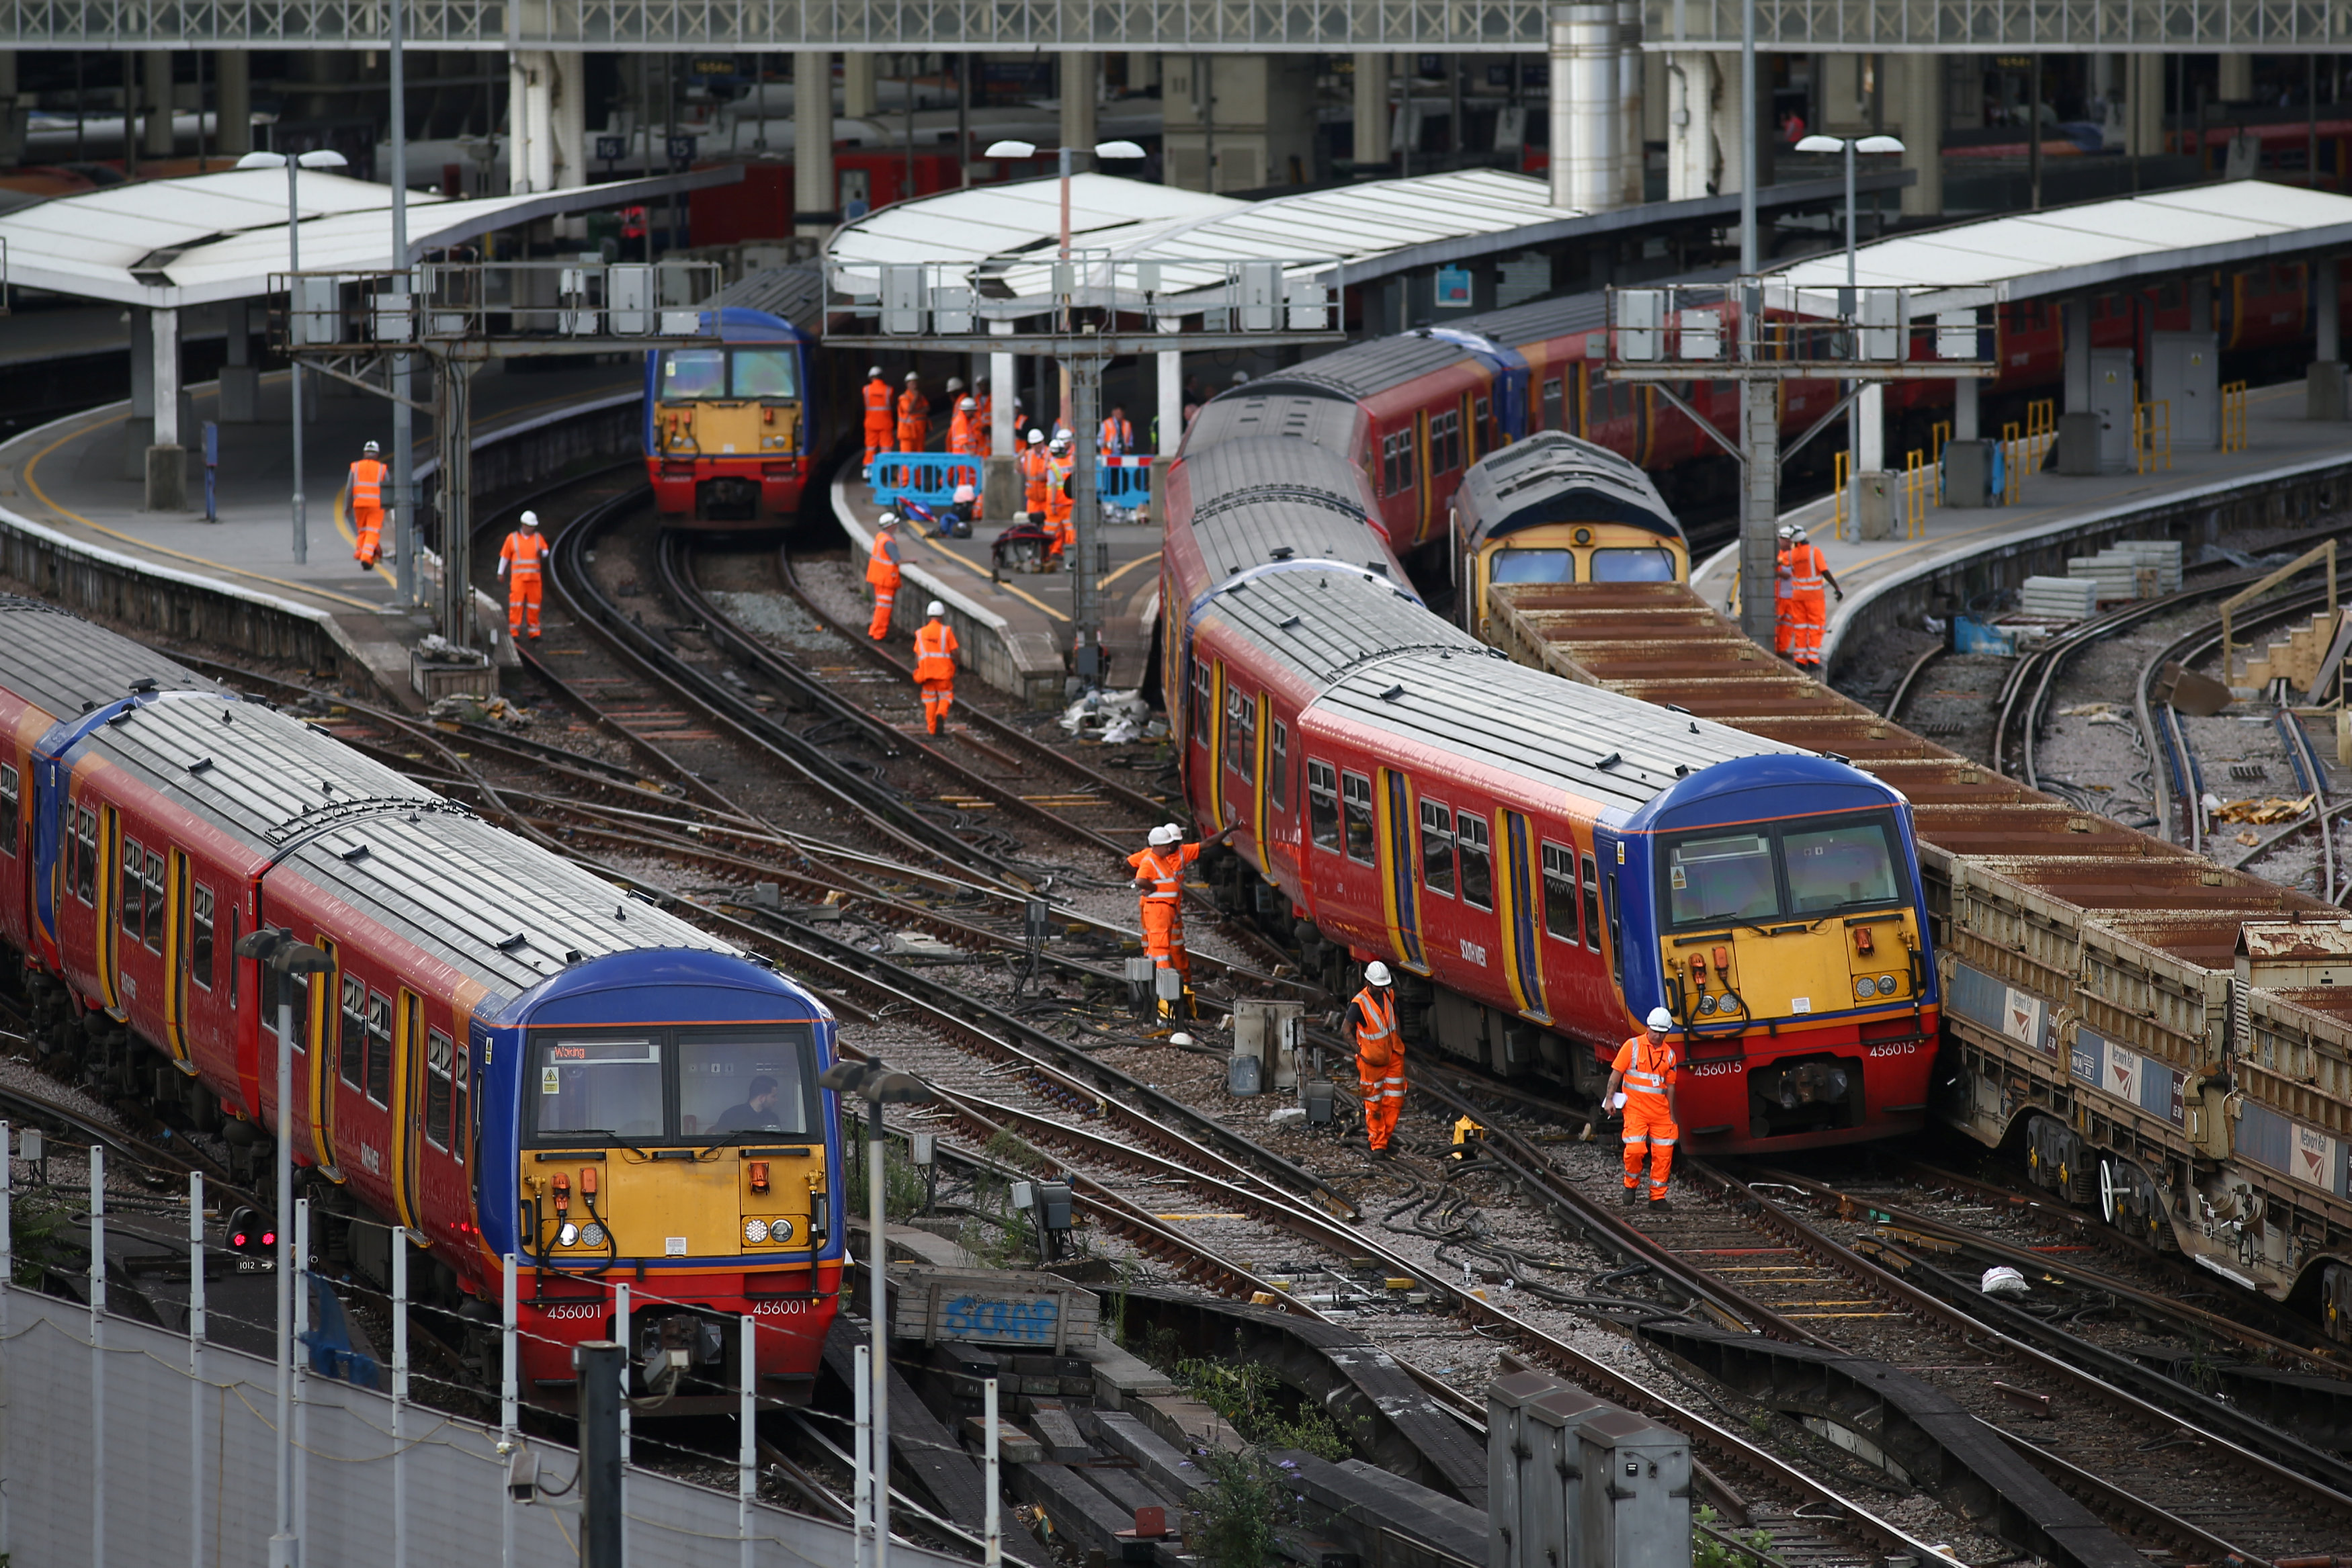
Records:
x=1322, y=804
x=743, y=1080
x=710, y=1085
x=1478, y=862
x=1804, y=867
x=1510, y=565
x=1436, y=848
x=1841, y=866
x=693, y=373
x=1721, y=876
x=1627, y=563
x=765, y=372
x=612, y=1087
x=1356, y=809
x=1560, y=892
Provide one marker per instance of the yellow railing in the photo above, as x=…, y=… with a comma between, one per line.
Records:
x=1918, y=475
x=2152, y=434
x=1841, y=469
x=2234, y=416
x=1938, y=434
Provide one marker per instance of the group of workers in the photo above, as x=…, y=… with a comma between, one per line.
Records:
x=935, y=640
x=519, y=556
x=1800, y=611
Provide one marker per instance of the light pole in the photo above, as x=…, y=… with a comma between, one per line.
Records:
x=1018, y=150
x=1849, y=146
x=317, y=158
x=879, y=1085
x=283, y=958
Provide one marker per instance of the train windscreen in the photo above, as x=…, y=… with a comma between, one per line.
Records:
x=1629, y=564
x=673, y=1085
x=1807, y=866
x=693, y=373
x=1508, y=565
x=766, y=373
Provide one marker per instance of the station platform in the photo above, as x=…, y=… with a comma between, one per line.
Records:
x=67, y=487
x=1015, y=629
x=2056, y=516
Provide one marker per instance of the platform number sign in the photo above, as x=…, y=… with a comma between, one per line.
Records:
x=612, y=149
x=681, y=149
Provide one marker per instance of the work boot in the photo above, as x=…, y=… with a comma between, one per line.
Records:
x=1662, y=1205
x=1630, y=1192
x=1382, y=1152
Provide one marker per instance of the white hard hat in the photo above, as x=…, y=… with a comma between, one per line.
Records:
x=371, y=446
x=969, y=402
x=530, y=519
x=1166, y=833
x=887, y=520
x=955, y=384
x=1661, y=1020
x=873, y=370
x=912, y=376
x=1180, y=1039
x=1788, y=528
x=1058, y=443
x=1796, y=533
x=935, y=608
x=1037, y=438
x=1376, y=973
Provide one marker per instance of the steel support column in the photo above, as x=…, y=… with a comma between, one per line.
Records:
x=451, y=425
x=1759, y=507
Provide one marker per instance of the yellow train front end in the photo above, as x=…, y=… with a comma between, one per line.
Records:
x=1573, y=554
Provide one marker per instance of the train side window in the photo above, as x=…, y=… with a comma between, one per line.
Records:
x=200, y=936
x=462, y=1075
x=1241, y=732
x=1560, y=892
x=1396, y=463
x=1552, y=405
x=1591, y=905
x=1322, y=804
x=1616, y=937
x=86, y=863
x=438, y=1097
x=12, y=801
x=1436, y=848
x=379, y=1048
x=134, y=866
x=152, y=927
x=1445, y=441
x=1478, y=862
x=1203, y=700
x=1482, y=414
x=1277, y=767
x=1356, y=801
x=352, y=1050
x=298, y=987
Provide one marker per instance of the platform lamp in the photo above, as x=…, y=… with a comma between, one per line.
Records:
x=280, y=954
x=1018, y=150
x=293, y=163
x=878, y=1084
x=1849, y=146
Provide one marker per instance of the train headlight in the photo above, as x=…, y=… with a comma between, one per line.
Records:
x=755, y=1231
x=780, y=1230
x=1885, y=985
x=1864, y=988
x=1730, y=1004
x=568, y=1235
x=1707, y=1005
x=592, y=1234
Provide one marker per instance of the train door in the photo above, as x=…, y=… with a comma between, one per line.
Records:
x=176, y=893
x=1518, y=891
x=1342, y=854
x=408, y=1107
x=111, y=884
x=1400, y=887
x=331, y=1025
x=1277, y=830
x=15, y=861
x=1212, y=733
x=1238, y=775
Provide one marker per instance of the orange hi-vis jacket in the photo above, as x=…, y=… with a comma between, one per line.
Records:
x=1058, y=499
x=964, y=434
x=1164, y=870
x=1117, y=435
x=1806, y=564
x=935, y=646
x=882, y=561
x=1648, y=1069
x=522, y=552
x=1372, y=1014
x=367, y=484
x=913, y=408
x=877, y=401
x=1033, y=474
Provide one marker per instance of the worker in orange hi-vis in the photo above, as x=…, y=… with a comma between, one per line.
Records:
x=987, y=401
x=518, y=564
x=914, y=416
x=878, y=415
x=1646, y=1070
x=1034, y=461
x=1158, y=870
x=1784, y=596
x=1379, y=1056
x=1117, y=434
x=882, y=574
x=1061, y=470
x=965, y=435
x=1809, y=570
x=368, y=476
x=935, y=649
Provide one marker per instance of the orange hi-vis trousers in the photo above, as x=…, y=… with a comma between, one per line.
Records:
x=1648, y=1123
x=1163, y=936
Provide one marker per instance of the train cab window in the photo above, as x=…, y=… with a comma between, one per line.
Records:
x=1630, y=563
x=1277, y=767
x=612, y=1087
x=134, y=867
x=693, y=373
x=85, y=880
x=1436, y=848
x=1721, y=876
x=1840, y=866
x=766, y=373
x=1396, y=463
x=151, y=926
x=1477, y=862
x=1591, y=905
x=1560, y=892
x=1445, y=441
x=742, y=1081
x=1356, y=810
x=1241, y=733
x=379, y=1048
x=1322, y=804
x=1552, y=406
x=12, y=802
x=200, y=936
x=352, y=1050
x=1531, y=566
x=438, y=1097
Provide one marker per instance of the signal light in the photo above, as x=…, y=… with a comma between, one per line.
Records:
x=588, y=1182
x=563, y=1194
x=1861, y=942
x=759, y=1175
x=249, y=1233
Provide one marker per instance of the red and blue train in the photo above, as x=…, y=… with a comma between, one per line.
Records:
x=508, y=1055
x=734, y=430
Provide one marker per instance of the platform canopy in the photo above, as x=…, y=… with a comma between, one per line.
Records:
x=2092, y=248
x=205, y=238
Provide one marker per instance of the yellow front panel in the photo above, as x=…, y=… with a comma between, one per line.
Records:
x=795, y=1193
x=1792, y=969
x=724, y=429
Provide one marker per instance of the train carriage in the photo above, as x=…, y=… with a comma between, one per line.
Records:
x=733, y=430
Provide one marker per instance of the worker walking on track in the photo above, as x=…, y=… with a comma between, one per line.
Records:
x=519, y=561
x=914, y=417
x=367, y=506
x=1784, y=596
x=1809, y=569
x=877, y=414
x=1158, y=870
x=1645, y=1069
x=1033, y=459
x=1379, y=1056
x=935, y=648
x=882, y=574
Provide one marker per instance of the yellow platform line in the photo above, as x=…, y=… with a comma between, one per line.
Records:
x=952, y=558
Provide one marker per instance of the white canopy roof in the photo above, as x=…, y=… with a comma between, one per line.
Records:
x=2099, y=244
x=210, y=237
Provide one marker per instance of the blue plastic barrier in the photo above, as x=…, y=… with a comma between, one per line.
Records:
x=931, y=478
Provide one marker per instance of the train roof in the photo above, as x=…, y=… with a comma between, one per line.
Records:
x=1368, y=369
x=494, y=907
x=67, y=665
x=1275, y=406
x=1322, y=623
x=1552, y=477
x=1258, y=502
